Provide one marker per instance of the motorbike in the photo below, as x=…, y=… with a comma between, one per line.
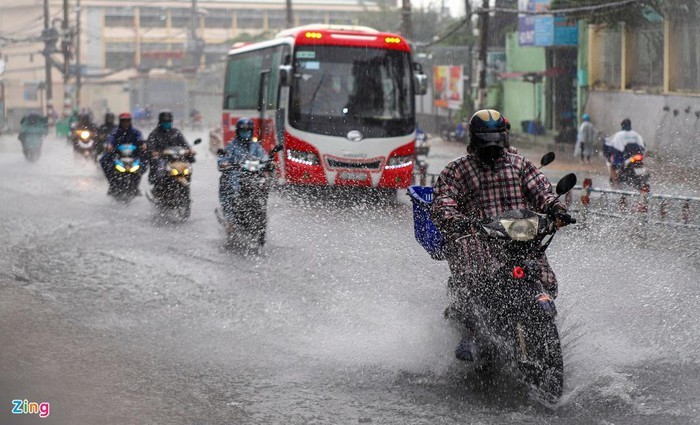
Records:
x=632, y=172
x=249, y=208
x=511, y=313
x=84, y=142
x=34, y=129
x=171, y=194
x=124, y=185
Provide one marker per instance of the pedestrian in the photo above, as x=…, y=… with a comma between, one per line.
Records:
x=585, y=139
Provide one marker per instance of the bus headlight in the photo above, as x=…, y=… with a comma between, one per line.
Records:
x=399, y=162
x=300, y=157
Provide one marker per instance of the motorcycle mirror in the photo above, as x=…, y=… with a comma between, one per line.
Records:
x=220, y=152
x=566, y=184
x=547, y=159
x=276, y=149
x=197, y=141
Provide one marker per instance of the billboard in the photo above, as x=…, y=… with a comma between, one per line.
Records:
x=448, y=86
x=544, y=30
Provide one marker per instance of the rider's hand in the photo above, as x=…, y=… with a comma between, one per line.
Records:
x=109, y=148
x=561, y=217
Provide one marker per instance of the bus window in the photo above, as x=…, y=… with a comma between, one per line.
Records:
x=242, y=81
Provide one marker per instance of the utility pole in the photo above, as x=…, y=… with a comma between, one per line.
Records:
x=290, y=14
x=78, y=71
x=406, y=23
x=482, y=94
x=65, y=44
x=48, y=48
x=196, y=46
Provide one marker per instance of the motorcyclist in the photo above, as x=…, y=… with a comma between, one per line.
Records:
x=34, y=124
x=83, y=122
x=124, y=134
x=103, y=133
x=242, y=147
x=621, y=144
x=486, y=182
x=161, y=138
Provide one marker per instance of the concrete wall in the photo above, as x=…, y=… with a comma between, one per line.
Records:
x=673, y=134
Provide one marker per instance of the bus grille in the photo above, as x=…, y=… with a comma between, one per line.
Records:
x=371, y=164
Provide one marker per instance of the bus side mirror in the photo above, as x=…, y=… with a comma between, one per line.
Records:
x=285, y=74
x=420, y=81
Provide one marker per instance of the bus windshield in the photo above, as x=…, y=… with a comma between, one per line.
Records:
x=339, y=89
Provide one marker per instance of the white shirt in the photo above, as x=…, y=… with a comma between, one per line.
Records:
x=623, y=138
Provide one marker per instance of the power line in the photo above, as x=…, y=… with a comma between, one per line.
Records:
x=523, y=12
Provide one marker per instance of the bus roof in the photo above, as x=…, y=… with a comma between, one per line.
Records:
x=333, y=35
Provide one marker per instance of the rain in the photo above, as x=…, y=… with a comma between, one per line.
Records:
x=124, y=310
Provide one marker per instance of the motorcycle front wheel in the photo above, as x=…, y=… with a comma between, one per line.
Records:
x=540, y=358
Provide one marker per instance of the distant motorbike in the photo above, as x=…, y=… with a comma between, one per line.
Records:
x=34, y=129
x=171, y=194
x=84, y=142
x=632, y=171
x=124, y=185
x=248, y=230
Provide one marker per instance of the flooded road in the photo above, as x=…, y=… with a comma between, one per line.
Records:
x=114, y=316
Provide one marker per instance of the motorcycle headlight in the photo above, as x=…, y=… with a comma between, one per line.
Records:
x=120, y=166
x=523, y=229
x=300, y=157
x=135, y=168
x=174, y=172
x=186, y=171
x=398, y=162
x=84, y=135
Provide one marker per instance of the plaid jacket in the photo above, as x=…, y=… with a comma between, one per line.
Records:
x=469, y=190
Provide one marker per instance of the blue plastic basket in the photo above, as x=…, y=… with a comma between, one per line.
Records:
x=427, y=235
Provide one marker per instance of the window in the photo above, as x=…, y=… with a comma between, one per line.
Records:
x=243, y=78
x=218, y=19
x=339, y=89
x=250, y=19
x=152, y=17
x=276, y=19
x=608, y=65
x=119, y=60
x=119, y=21
x=181, y=18
x=687, y=35
x=646, y=56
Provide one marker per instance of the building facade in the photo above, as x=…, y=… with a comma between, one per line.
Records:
x=120, y=38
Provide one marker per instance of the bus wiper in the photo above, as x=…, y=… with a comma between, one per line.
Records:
x=313, y=98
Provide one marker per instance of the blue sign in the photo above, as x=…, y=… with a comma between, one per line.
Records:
x=545, y=30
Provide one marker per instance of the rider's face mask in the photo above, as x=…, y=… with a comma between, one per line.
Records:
x=245, y=135
x=167, y=125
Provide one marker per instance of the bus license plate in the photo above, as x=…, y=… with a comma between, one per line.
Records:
x=347, y=175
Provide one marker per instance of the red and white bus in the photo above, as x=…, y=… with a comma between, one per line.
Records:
x=341, y=100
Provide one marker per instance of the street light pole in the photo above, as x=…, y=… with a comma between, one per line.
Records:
x=290, y=14
x=483, y=47
x=406, y=22
x=66, y=58
x=47, y=62
x=78, y=71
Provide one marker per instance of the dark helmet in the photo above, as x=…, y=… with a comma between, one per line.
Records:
x=244, y=129
x=165, y=116
x=84, y=118
x=626, y=124
x=109, y=118
x=487, y=127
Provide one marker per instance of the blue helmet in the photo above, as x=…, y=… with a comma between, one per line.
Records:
x=244, y=129
x=586, y=117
